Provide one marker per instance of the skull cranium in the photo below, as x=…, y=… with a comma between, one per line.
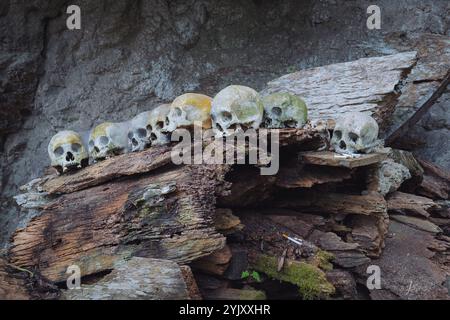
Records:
x=108, y=139
x=67, y=152
x=187, y=109
x=156, y=125
x=146, y=129
x=236, y=108
x=354, y=133
x=284, y=110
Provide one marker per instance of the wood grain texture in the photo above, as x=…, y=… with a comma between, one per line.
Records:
x=366, y=85
x=328, y=158
x=165, y=215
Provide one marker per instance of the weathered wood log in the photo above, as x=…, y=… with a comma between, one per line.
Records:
x=136, y=279
x=409, y=203
x=335, y=203
x=417, y=223
x=161, y=215
x=328, y=158
x=137, y=204
x=306, y=176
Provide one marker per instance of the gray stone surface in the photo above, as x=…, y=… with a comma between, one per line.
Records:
x=131, y=55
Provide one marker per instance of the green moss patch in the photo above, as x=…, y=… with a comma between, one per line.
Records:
x=311, y=281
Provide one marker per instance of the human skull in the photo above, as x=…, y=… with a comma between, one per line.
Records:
x=354, y=133
x=146, y=129
x=187, y=109
x=108, y=139
x=156, y=124
x=284, y=110
x=236, y=108
x=67, y=152
x=138, y=134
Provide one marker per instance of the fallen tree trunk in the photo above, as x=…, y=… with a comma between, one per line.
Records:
x=136, y=204
x=164, y=215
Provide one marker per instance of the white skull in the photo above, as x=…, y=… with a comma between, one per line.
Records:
x=284, y=110
x=146, y=129
x=236, y=108
x=108, y=139
x=156, y=124
x=138, y=134
x=67, y=152
x=354, y=133
x=187, y=109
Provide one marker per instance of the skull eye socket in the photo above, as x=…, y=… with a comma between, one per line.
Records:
x=353, y=136
x=337, y=134
x=226, y=116
x=75, y=147
x=276, y=111
x=141, y=132
x=58, y=151
x=149, y=127
x=159, y=124
x=103, y=140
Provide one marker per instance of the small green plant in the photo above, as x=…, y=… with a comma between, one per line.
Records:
x=254, y=275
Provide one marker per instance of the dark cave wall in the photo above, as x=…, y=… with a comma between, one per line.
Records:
x=132, y=55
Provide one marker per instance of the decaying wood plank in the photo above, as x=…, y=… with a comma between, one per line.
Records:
x=162, y=215
x=336, y=203
x=307, y=176
x=136, y=279
x=367, y=85
x=328, y=158
x=109, y=169
x=409, y=203
x=417, y=223
x=154, y=158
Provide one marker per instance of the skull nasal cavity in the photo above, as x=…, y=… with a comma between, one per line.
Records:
x=134, y=142
x=276, y=111
x=69, y=156
x=226, y=116
x=342, y=145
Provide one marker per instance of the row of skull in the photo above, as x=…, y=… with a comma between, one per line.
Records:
x=233, y=108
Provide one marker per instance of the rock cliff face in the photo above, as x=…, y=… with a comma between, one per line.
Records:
x=131, y=55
